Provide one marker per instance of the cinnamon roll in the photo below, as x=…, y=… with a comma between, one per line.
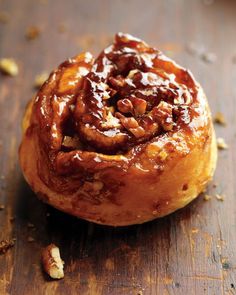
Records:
x=120, y=139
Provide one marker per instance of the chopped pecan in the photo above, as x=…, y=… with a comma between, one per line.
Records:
x=221, y=144
x=139, y=105
x=137, y=132
x=9, y=66
x=220, y=197
x=129, y=122
x=125, y=105
x=163, y=114
x=219, y=118
x=52, y=263
x=117, y=82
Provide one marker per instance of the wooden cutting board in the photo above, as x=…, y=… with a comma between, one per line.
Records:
x=192, y=251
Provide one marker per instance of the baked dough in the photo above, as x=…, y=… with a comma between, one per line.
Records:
x=119, y=140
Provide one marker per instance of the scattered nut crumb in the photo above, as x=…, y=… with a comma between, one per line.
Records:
x=4, y=17
x=52, y=263
x=30, y=239
x=5, y=245
x=30, y=225
x=8, y=66
x=12, y=219
x=221, y=144
x=220, y=197
x=207, y=197
x=219, y=118
x=209, y=57
x=2, y=207
x=40, y=79
x=32, y=33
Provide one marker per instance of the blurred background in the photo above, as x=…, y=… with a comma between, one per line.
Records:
x=190, y=252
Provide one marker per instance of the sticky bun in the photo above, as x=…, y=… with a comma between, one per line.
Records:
x=120, y=139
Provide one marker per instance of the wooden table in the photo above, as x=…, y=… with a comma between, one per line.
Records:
x=192, y=251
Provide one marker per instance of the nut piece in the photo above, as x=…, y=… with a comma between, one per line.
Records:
x=163, y=114
x=219, y=118
x=40, y=79
x=207, y=197
x=8, y=66
x=220, y=197
x=52, y=263
x=221, y=144
x=32, y=33
x=140, y=106
x=125, y=105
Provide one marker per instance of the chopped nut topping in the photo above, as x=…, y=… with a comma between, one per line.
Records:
x=71, y=142
x=117, y=82
x=52, y=263
x=220, y=197
x=111, y=121
x=219, y=118
x=137, y=132
x=207, y=197
x=129, y=123
x=163, y=114
x=32, y=33
x=221, y=144
x=140, y=106
x=163, y=155
x=125, y=106
x=40, y=79
x=4, y=17
x=5, y=245
x=8, y=66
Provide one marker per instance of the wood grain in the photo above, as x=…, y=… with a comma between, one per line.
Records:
x=189, y=252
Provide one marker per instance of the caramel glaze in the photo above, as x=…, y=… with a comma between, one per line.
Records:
x=108, y=112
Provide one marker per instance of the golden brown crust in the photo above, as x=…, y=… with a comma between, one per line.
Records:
x=119, y=169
